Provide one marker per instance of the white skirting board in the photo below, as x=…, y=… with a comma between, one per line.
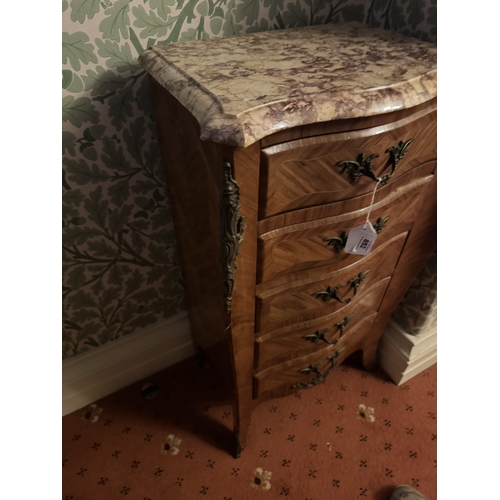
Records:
x=102, y=371
x=402, y=356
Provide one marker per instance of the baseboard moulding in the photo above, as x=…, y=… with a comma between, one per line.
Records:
x=402, y=356
x=102, y=371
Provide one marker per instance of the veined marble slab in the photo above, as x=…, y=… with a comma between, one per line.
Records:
x=244, y=88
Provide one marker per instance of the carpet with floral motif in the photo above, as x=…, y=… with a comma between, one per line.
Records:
x=357, y=436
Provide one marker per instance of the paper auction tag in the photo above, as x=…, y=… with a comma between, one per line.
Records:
x=361, y=239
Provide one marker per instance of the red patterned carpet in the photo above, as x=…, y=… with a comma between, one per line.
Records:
x=356, y=436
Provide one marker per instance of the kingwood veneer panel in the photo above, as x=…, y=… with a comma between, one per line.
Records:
x=299, y=301
x=306, y=172
x=319, y=242
x=297, y=340
x=295, y=373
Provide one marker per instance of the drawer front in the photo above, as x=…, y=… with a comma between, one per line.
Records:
x=308, y=371
x=421, y=174
x=317, y=243
x=314, y=297
x=305, y=173
x=292, y=342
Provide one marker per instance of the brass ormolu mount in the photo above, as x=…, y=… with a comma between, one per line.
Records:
x=232, y=230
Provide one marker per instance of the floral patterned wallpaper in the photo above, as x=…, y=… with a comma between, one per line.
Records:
x=120, y=266
x=417, y=312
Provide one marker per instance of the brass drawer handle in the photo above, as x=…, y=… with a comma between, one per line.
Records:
x=320, y=334
x=338, y=242
x=320, y=377
x=331, y=291
x=380, y=224
x=362, y=166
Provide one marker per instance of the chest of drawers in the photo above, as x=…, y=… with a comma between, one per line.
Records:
x=273, y=144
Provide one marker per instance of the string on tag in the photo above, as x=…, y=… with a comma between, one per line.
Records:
x=362, y=238
x=371, y=205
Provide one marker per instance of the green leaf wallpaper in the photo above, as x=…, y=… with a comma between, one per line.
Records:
x=418, y=310
x=120, y=263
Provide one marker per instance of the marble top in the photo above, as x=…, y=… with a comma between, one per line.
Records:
x=244, y=88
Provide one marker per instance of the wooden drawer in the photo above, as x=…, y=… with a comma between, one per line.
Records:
x=295, y=302
x=421, y=174
x=292, y=342
x=305, y=173
x=309, y=244
x=294, y=373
